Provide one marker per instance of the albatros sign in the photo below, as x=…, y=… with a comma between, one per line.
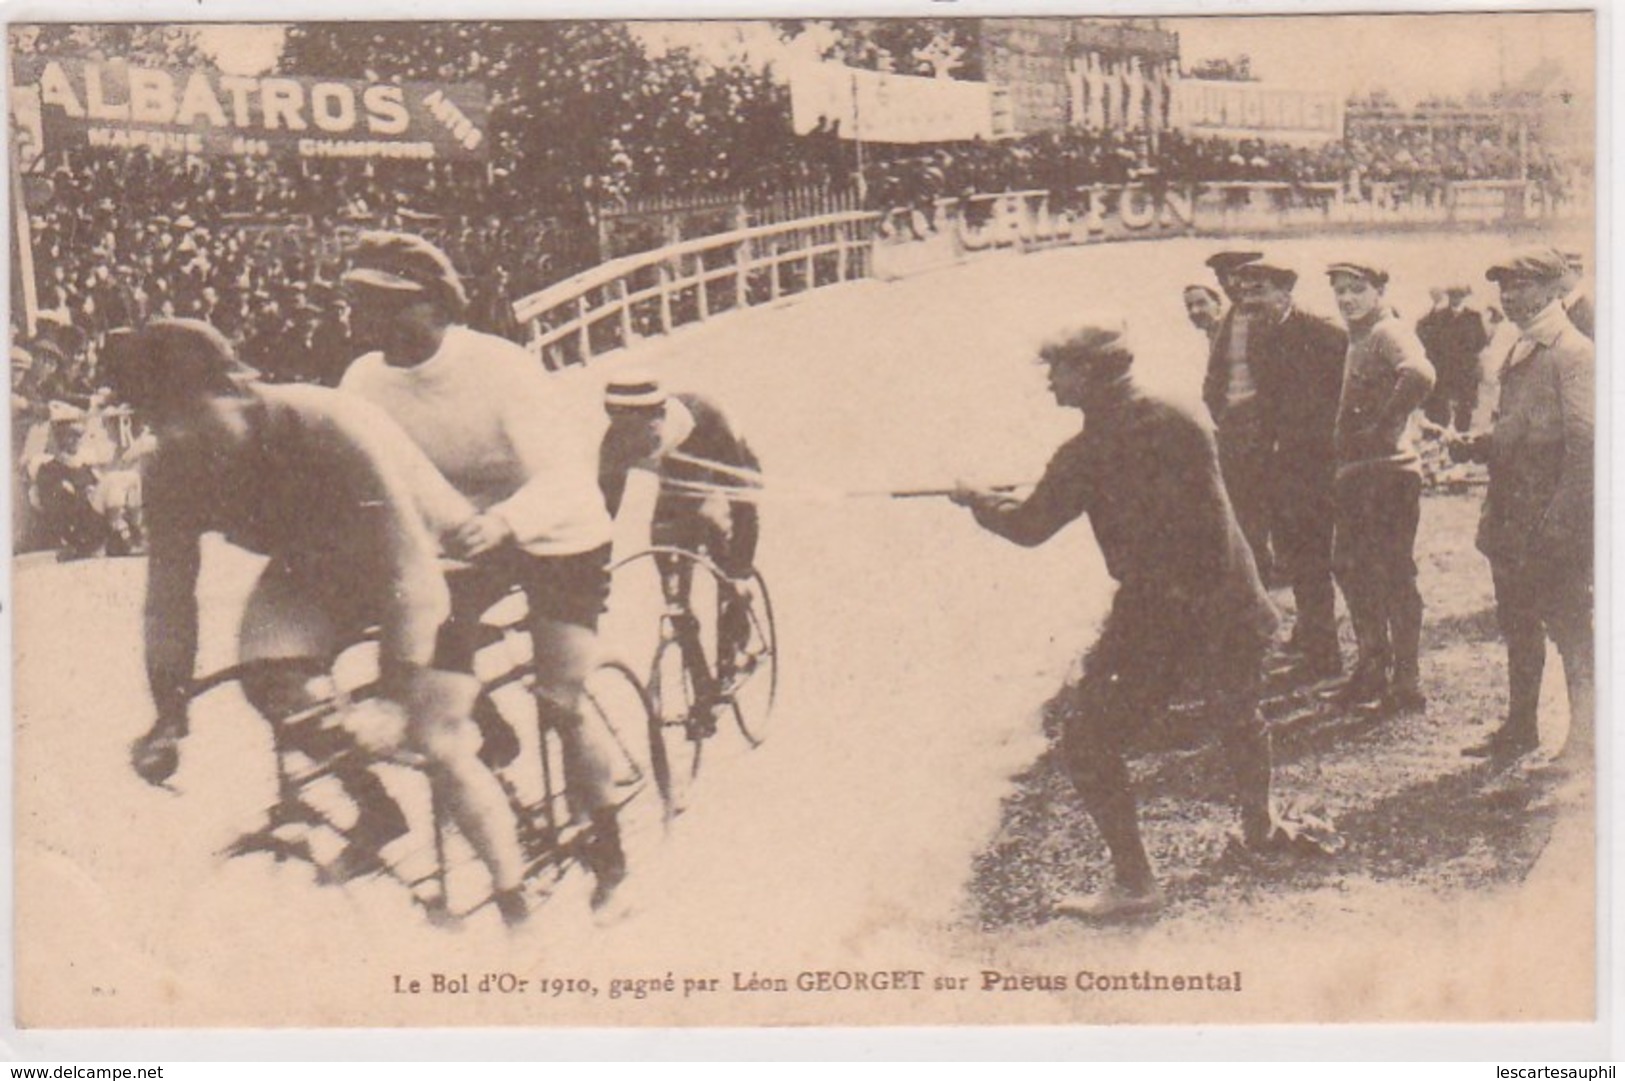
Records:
x=204, y=111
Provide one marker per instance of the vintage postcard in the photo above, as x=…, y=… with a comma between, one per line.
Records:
x=1079, y=520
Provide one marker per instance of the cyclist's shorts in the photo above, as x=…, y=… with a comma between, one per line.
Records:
x=566, y=589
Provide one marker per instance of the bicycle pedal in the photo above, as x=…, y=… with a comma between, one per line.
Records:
x=352, y=863
x=293, y=812
x=268, y=843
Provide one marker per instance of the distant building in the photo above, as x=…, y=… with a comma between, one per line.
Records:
x=1081, y=73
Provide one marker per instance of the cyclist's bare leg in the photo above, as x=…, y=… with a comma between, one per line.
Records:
x=280, y=690
x=289, y=635
x=472, y=593
x=564, y=655
x=439, y=706
x=677, y=583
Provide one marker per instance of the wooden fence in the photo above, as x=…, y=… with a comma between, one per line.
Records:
x=652, y=293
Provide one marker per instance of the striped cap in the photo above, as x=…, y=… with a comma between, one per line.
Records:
x=634, y=389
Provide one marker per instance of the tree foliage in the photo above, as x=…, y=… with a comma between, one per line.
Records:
x=578, y=109
x=158, y=45
x=945, y=48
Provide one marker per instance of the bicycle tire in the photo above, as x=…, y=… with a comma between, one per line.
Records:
x=676, y=750
x=753, y=697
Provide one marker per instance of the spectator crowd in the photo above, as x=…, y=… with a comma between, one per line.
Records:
x=254, y=245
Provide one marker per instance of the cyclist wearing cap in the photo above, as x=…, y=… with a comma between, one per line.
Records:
x=688, y=442
x=344, y=505
x=510, y=438
x=1189, y=600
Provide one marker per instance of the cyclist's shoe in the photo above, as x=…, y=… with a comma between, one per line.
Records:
x=156, y=755
x=605, y=858
x=355, y=860
x=380, y=821
x=499, y=743
x=702, y=719
x=513, y=905
x=269, y=842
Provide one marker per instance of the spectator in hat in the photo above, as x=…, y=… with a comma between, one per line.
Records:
x=1537, y=523
x=1454, y=337
x=1231, y=391
x=65, y=488
x=1576, y=298
x=349, y=515
x=1298, y=361
x=1189, y=600
x=510, y=438
x=1379, y=491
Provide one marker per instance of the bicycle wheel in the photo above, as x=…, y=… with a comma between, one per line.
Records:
x=615, y=699
x=676, y=741
x=753, y=686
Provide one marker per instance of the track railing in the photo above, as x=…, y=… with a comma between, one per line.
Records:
x=653, y=293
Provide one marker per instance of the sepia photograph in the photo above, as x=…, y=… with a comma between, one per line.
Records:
x=1069, y=520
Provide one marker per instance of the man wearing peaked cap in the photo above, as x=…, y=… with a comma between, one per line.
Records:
x=512, y=440
x=1379, y=489
x=1537, y=525
x=1297, y=363
x=1189, y=601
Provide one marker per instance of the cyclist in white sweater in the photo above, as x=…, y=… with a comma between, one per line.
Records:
x=510, y=438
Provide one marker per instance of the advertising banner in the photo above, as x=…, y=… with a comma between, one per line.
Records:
x=880, y=107
x=207, y=112
x=1243, y=110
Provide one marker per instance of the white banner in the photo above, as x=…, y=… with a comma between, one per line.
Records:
x=1242, y=110
x=879, y=107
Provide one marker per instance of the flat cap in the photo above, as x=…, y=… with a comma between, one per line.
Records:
x=1087, y=339
x=1230, y=260
x=1266, y=267
x=1538, y=264
x=404, y=263
x=1375, y=275
x=170, y=359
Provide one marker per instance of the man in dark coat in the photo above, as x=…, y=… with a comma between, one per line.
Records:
x=1231, y=393
x=1454, y=336
x=1189, y=601
x=1298, y=360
